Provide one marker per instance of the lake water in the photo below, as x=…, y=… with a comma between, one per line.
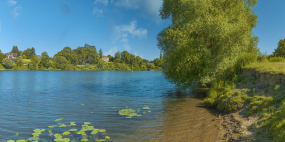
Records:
x=35, y=99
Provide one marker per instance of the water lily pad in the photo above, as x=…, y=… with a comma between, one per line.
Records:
x=107, y=137
x=16, y=134
x=81, y=132
x=85, y=140
x=82, y=104
x=10, y=141
x=66, y=133
x=102, y=140
x=86, y=123
x=72, y=130
x=94, y=132
x=50, y=131
x=145, y=107
x=21, y=140
x=57, y=135
x=102, y=130
x=59, y=119
x=52, y=126
x=62, y=125
x=149, y=111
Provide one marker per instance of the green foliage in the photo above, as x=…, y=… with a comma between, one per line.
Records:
x=61, y=63
x=33, y=51
x=201, y=45
x=8, y=63
x=19, y=61
x=111, y=58
x=34, y=61
x=280, y=51
x=150, y=66
x=45, y=62
x=27, y=53
x=2, y=56
x=15, y=50
x=117, y=55
x=276, y=59
x=24, y=57
x=100, y=53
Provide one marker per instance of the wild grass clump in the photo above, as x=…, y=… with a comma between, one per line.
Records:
x=224, y=97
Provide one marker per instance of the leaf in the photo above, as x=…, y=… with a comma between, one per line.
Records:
x=66, y=133
x=16, y=134
x=72, y=130
x=107, y=137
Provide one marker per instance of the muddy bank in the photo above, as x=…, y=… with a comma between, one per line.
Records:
x=239, y=127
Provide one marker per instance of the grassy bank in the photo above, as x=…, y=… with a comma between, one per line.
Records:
x=259, y=100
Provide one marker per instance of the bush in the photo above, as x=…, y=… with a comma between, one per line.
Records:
x=276, y=59
x=8, y=63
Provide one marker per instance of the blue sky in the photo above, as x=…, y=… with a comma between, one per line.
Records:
x=113, y=25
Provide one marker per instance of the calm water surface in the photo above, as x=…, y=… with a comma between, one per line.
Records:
x=35, y=99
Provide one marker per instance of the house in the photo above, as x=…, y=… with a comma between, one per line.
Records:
x=39, y=56
x=12, y=56
x=105, y=58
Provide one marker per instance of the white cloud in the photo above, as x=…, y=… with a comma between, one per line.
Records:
x=14, y=12
x=111, y=52
x=97, y=11
x=150, y=7
x=125, y=40
x=128, y=3
x=11, y=2
x=105, y=2
x=124, y=30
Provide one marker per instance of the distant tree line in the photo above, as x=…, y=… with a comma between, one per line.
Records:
x=81, y=58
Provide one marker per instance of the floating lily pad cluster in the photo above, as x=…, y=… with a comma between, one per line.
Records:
x=59, y=136
x=130, y=112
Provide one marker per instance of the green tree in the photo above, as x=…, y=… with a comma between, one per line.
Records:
x=111, y=58
x=160, y=57
x=45, y=54
x=205, y=39
x=2, y=56
x=20, y=53
x=27, y=53
x=145, y=61
x=100, y=53
x=15, y=50
x=61, y=62
x=35, y=61
x=8, y=63
x=33, y=51
x=117, y=55
x=280, y=50
x=45, y=60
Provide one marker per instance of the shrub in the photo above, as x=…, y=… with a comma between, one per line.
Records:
x=8, y=63
x=276, y=59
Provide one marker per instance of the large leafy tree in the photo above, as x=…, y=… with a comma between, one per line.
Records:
x=205, y=38
x=61, y=62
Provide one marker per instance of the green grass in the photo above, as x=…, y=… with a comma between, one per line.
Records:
x=27, y=60
x=268, y=67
